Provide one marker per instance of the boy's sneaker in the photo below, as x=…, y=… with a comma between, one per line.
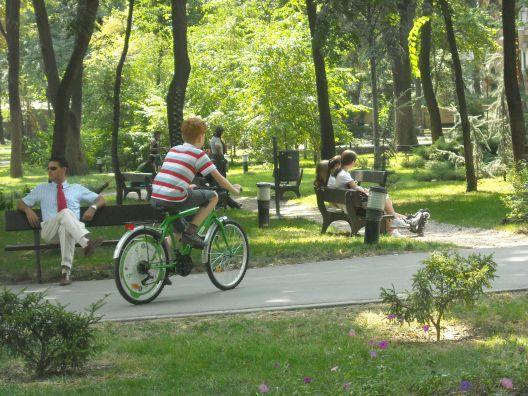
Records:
x=193, y=239
x=417, y=221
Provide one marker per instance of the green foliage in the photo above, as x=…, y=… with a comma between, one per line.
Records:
x=8, y=199
x=439, y=170
x=134, y=147
x=48, y=338
x=446, y=279
x=441, y=161
x=517, y=201
x=414, y=44
x=37, y=149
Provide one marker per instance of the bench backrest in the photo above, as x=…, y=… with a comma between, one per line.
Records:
x=337, y=196
x=135, y=177
x=370, y=176
x=106, y=216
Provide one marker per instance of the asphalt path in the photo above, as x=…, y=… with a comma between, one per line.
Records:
x=310, y=285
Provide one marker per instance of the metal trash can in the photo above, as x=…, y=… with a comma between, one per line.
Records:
x=375, y=208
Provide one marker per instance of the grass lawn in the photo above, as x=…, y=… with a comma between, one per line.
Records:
x=300, y=352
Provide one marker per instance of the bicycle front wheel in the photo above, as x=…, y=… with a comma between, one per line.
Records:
x=140, y=268
x=227, y=255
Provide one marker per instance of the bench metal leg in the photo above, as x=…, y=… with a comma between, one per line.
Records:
x=36, y=240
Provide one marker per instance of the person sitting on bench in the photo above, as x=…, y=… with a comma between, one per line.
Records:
x=340, y=178
x=60, y=204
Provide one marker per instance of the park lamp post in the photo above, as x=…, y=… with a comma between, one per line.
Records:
x=263, y=203
x=245, y=163
x=375, y=208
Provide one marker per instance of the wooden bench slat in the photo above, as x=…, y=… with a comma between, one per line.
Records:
x=50, y=246
x=105, y=216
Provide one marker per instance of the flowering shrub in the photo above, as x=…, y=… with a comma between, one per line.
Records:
x=48, y=338
x=445, y=279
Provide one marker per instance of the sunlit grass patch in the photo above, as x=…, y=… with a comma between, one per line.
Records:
x=295, y=352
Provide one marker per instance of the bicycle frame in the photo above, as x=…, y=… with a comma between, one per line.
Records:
x=166, y=230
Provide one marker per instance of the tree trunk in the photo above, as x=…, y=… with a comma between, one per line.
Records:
x=425, y=75
x=375, y=116
x=471, y=178
x=401, y=74
x=15, y=109
x=74, y=155
x=87, y=12
x=2, y=135
x=325, y=118
x=182, y=70
x=117, y=108
x=418, y=104
x=48, y=53
x=511, y=85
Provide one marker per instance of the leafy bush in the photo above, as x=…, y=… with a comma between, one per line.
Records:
x=413, y=162
x=8, y=199
x=517, y=201
x=37, y=149
x=438, y=170
x=48, y=338
x=446, y=279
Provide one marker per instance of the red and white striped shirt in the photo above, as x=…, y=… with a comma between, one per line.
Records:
x=179, y=167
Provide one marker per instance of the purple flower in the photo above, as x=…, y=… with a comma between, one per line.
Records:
x=307, y=380
x=506, y=383
x=425, y=328
x=465, y=386
x=391, y=316
x=373, y=354
x=371, y=342
x=383, y=344
x=352, y=333
x=263, y=388
x=346, y=386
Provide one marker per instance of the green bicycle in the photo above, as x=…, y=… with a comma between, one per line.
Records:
x=143, y=259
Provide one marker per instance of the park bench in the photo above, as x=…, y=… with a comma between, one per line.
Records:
x=351, y=199
x=135, y=181
x=105, y=216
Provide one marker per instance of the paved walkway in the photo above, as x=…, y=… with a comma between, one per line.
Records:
x=321, y=284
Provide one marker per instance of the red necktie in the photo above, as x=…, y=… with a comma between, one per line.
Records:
x=61, y=198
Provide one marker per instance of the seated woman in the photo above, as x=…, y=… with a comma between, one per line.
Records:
x=340, y=178
x=324, y=169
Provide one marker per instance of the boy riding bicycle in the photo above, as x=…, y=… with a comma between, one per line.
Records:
x=172, y=188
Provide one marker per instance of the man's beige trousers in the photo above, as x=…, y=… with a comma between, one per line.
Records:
x=65, y=229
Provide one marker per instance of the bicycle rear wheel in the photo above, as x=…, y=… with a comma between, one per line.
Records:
x=226, y=259
x=136, y=270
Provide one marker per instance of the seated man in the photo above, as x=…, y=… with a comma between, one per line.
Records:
x=60, y=204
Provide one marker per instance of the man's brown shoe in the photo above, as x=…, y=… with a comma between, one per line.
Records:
x=92, y=245
x=65, y=279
